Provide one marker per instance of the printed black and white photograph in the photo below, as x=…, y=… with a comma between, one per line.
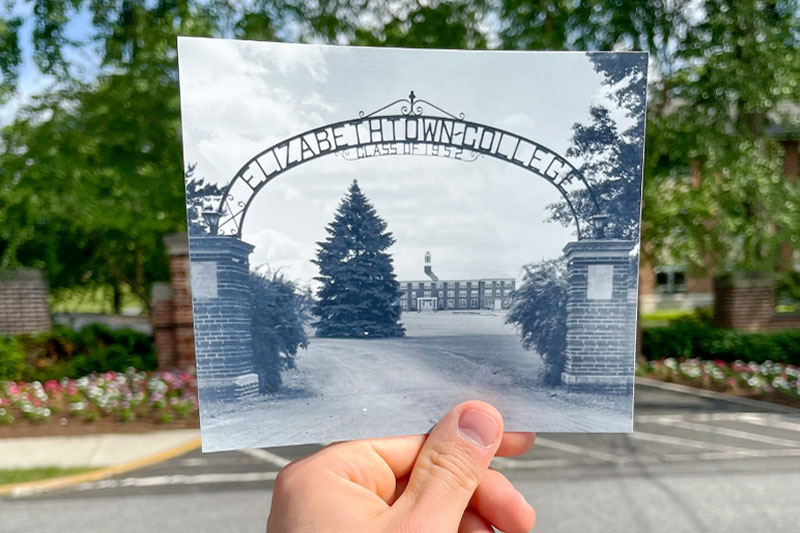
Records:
x=377, y=235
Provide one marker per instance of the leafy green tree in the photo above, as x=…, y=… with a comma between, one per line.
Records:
x=713, y=190
x=90, y=171
x=91, y=181
x=714, y=193
x=438, y=25
x=359, y=296
x=279, y=312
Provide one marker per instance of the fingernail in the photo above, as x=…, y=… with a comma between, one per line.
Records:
x=478, y=427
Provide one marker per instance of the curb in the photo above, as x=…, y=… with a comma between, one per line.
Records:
x=714, y=395
x=27, y=488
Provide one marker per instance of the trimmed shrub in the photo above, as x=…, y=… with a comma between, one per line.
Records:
x=539, y=309
x=695, y=337
x=279, y=313
x=65, y=352
x=12, y=359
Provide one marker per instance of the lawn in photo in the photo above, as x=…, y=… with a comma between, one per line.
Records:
x=379, y=234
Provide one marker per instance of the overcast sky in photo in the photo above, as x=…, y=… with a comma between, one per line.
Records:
x=484, y=218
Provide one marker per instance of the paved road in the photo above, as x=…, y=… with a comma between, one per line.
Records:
x=398, y=386
x=694, y=464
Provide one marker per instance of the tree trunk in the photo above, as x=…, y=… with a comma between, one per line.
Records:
x=116, y=298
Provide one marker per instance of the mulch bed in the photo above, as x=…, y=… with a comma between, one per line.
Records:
x=73, y=426
x=771, y=397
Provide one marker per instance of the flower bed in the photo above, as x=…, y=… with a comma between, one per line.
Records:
x=769, y=380
x=121, y=396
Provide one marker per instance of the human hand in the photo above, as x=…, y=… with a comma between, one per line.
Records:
x=438, y=483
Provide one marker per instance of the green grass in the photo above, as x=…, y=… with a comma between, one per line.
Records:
x=662, y=317
x=34, y=474
x=665, y=314
x=96, y=299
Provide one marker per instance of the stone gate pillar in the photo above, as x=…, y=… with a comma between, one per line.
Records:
x=219, y=270
x=601, y=316
x=24, y=302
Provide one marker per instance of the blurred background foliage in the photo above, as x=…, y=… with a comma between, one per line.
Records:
x=90, y=165
x=68, y=353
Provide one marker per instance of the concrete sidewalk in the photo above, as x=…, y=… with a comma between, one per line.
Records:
x=94, y=451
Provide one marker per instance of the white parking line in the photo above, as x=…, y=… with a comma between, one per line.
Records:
x=580, y=450
x=159, y=481
x=683, y=443
x=267, y=457
x=504, y=463
x=771, y=421
x=728, y=432
x=715, y=456
x=194, y=461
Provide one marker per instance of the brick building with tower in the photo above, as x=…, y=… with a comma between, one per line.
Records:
x=434, y=294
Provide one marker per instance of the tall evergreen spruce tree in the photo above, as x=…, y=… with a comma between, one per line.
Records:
x=359, y=296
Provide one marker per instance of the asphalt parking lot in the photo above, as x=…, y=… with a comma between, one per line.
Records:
x=694, y=463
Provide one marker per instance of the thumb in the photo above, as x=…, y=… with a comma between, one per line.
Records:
x=451, y=464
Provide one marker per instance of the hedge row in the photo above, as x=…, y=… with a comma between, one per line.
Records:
x=695, y=337
x=64, y=352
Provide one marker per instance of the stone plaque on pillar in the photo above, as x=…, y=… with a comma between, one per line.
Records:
x=204, y=279
x=600, y=282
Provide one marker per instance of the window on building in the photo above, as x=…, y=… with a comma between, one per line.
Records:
x=427, y=294
x=403, y=304
x=451, y=284
x=473, y=293
x=427, y=285
x=462, y=302
x=413, y=304
x=451, y=303
x=487, y=293
x=451, y=293
x=462, y=294
x=670, y=279
x=473, y=303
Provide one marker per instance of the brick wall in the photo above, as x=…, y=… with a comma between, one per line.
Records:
x=173, y=329
x=24, y=302
x=601, y=316
x=748, y=303
x=163, y=327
